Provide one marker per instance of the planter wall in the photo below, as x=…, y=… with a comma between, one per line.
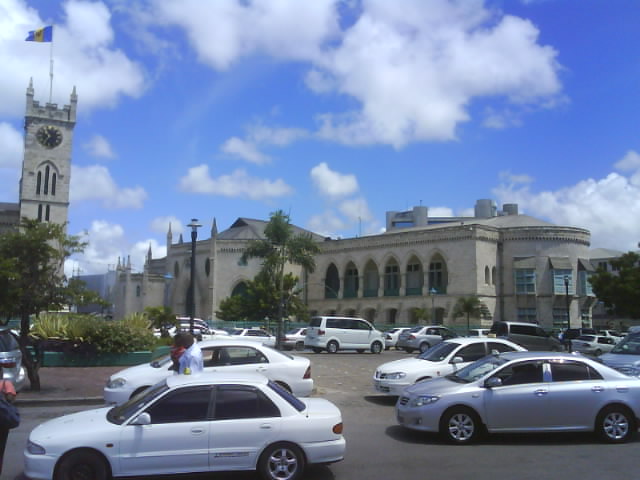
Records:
x=62, y=359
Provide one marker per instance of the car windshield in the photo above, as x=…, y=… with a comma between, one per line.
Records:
x=121, y=413
x=438, y=352
x=7, y=341
x=237, y=331
x=477, y=369
x=161, y=361
x=630, y=345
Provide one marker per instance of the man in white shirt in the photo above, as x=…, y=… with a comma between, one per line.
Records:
x=190, y=361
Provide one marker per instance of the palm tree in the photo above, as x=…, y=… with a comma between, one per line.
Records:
x=469, y=306
x=279, y=248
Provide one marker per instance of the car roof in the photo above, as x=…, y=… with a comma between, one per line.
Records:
x=217, y=378
x=545, y=355
x=229, y=340
x=469, y=340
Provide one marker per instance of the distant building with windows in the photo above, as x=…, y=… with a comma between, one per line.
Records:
x=521, y=268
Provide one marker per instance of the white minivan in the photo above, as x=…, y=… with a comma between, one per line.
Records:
x=343, y=333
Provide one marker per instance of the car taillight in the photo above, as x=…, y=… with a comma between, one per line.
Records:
x=412, y=337
x=337, y=428
x=8, y=363
x=307, y=374
x=320, y=332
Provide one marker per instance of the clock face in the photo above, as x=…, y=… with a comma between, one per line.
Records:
x=49, y=136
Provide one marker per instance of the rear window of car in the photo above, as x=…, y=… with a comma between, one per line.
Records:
x=294, y=401
x=8, y=342
x=586, y=338
x=315, y=322
x=499, y=329
x=523, y=329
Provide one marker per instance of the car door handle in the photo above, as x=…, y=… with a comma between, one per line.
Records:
x=197, y=431
x=261, y=369
x=265, y=426
x=540, y=392
x=597, y=389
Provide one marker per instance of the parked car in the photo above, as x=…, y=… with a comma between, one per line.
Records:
x=529, y=335
x=592, y=344
x=254, y=334
x=222, y=355
x=191, y=423
x=478, y=332
x=201, y=329
x=525, y=392
x=11, y=358
x=294, y=339
x=571, y=333
x=616, y=335
x=392, y=378
x=423, y=337
x=391, y=337
x=343, y=333
x=625, y=355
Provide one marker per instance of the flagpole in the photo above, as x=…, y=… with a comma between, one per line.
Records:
x=51, y=68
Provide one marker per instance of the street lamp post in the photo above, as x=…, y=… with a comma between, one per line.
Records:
x=566, y=295
x=192, y=283
x=432, y=294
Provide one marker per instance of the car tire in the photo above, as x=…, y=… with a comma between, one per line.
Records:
x=460, y=426
x=299, y=346
x=598, y=352
x=316, y=350
x=332, y=346
x=408, y=350
x=616, y=424
x=376, y=347
x=82, y=464
x=424, y=346
x=281, y=461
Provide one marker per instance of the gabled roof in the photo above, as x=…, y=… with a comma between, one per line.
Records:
x=252, y=229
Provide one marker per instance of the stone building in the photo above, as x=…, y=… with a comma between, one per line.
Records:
x=521, y=268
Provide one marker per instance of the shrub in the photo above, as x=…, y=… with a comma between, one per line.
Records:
x=120, y=337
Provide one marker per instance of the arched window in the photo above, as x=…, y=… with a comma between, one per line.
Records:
x=176, y=269
x=46, y=212
x=240, y=289
x=46, y=180
x=438, y=274
x=351, y=281
x=487, y=279
x=493, y=276
x=415, y=278
x=371, y=280
x=392, y=279
x=138, y=290
x=38, y=183
x=207, y=266
x=331, y=282
x=53, y=184
x=40, y=212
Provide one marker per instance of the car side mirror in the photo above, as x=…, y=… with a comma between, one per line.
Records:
x=143, y=419
x=457, y=360
x=493, y=382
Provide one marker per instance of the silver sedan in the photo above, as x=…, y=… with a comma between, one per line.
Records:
x=525, y=392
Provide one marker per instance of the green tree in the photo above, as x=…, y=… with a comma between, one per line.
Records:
x=620, y=290
x=32, y=277
x=161, y=318
x=421, y=314
x=281, y=246
x=469, y=307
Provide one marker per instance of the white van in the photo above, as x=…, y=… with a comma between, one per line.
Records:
x=343, y=333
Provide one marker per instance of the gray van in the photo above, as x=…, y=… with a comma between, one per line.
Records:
x=528, y=335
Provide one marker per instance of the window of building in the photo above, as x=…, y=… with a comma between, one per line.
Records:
x=138, y=290
x=47, y=210
x=528, y=315
x=332, y=282
x=391, y=280
x=351, y=282
x=584, y=285
x=207, y=266
x=176, y=269
x=585, y=317
x=559, y=287
x=415, y=279
x=560, y=319
x=437, y=276
x=487, y=276
x=40, y=212
x=38, y=183
x=46, y=180
x=493, y=275
x=371, y=280
x=525, y=281
x=53, y=184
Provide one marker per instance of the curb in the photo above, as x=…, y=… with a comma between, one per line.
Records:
x=42, y=402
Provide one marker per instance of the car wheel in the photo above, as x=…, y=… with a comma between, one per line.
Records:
x=360, y=350
x=317, y=350
x=408, y=350
x=424, y=346
x=281, y=461
x=299, y=346
x=82, y=465
x=387, y=348
x=332, y=346
x=616, y=424
x=598, y=352
x=460, y=425
x=376, y=347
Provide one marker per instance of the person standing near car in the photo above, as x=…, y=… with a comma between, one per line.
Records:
x=8, y=390
x=191, y=359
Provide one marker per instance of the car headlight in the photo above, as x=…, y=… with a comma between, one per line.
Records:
x=116, y=383
x=35, y=449
x=424, y=400
x=395, y=375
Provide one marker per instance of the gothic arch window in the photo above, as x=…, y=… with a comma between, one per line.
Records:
x=40, y=212
x=53, y=184
x=46, y=212
x=239, y=290
x=351, y=281
x=370, y=315
x=493, y=276
x=332, y=282
x=138, y=290
x=415, y=277
x=392, y=315
x=487, y=279
x=438, y=276
x=207, y=266
x=371, y=280
x=38, y=183
x=46, y=179
x=176, y=269
x=391, y=279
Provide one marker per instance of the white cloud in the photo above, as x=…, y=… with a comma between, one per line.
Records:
x=161, y=225
x=356, y=209
x=95, y=183
x=514, y=179
x=98, y=146
x=245, y=150
x=12, y=146
x=237, y=184
x=609, y=207
x=332, y=183
x=327, y=224
x=442, y=212
x=139, y=250
x=631, y=161
x=84, y=56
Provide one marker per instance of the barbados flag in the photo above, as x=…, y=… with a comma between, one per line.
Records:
x=44, y=34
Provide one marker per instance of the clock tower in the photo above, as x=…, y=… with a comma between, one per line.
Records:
x=46, y=167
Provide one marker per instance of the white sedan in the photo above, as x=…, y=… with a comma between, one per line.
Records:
x=593, y=344
x=221, y=355
x=254, y=334
x=191, y=423
x=442, y=359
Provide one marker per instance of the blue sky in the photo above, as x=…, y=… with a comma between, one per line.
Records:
x=334, y=111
